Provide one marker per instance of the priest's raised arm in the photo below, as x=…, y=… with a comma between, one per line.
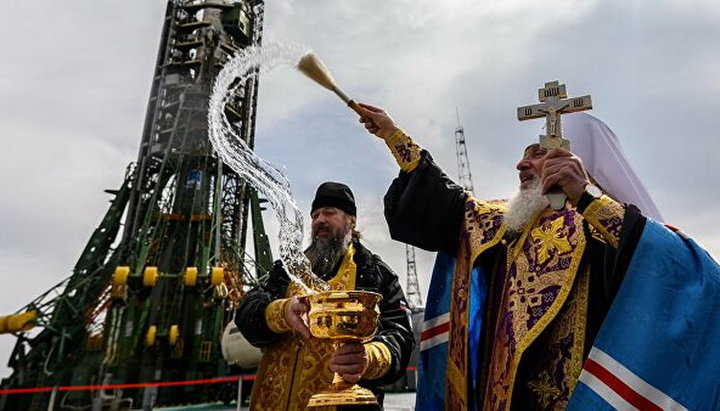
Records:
x=423, y=206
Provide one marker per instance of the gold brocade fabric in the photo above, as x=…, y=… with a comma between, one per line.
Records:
x=293, y=369
x=275, y=315
x=405, y=150
x=290, y=372
x=481, y=229
x=606, y=216
x=379, y=355
x=345, y=277
x=541, y=269
x=552, y=381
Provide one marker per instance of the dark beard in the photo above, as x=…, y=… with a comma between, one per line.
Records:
x=325, y=254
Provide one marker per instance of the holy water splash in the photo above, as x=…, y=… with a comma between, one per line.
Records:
x=267, y=179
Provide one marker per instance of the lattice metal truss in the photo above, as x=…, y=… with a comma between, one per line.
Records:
x=149, y=299
x=464, y=174
x=413, y=287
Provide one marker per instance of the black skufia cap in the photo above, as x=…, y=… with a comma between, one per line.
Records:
x=332, y=194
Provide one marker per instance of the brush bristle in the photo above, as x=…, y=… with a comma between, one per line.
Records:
x=311, y=65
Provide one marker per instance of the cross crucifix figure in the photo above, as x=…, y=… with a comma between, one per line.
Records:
x=554, y=103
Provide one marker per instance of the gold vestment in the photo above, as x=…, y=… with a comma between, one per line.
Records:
x=293, y=369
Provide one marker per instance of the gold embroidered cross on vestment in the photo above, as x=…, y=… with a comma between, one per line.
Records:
x=549, y=239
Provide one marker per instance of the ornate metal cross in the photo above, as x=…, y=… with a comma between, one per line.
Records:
x=551, y=96
x=552, y=107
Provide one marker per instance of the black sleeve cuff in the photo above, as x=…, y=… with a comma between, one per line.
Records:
x=585, y=200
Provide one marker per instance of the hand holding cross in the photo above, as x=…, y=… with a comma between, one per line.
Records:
x=554, y=103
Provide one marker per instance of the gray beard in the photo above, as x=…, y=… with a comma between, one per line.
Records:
x=325, y=254
x=523, y=205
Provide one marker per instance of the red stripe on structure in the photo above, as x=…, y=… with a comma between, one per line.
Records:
x=617, y=385
x=36, y=390
x=25, y=390
x=125, y=386
x=442, y=328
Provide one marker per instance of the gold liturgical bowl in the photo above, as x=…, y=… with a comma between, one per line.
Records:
x=343, y=316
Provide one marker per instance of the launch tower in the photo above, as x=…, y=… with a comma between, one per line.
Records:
x=145, y=307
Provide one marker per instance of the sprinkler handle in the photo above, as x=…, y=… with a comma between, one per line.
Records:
x=350, y=102
x=356, y=108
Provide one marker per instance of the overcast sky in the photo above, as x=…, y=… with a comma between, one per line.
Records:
x=75, y=79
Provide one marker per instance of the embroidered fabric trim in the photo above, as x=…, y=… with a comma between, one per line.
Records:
x=541, y=269
x=276, y=315
x=564, y=347
x=606, y=215
x=404, y=149
x=345, y=277
x=482, y=228
x=379, y=360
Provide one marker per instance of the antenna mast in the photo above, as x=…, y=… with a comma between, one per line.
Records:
x=464, y=175
x=413, y=287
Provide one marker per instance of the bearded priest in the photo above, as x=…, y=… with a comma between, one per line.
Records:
x=593, y=306
x=273, y=316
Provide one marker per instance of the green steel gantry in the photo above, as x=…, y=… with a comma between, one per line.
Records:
x=154, y=288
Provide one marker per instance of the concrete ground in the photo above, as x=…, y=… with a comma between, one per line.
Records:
x=393, y=402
